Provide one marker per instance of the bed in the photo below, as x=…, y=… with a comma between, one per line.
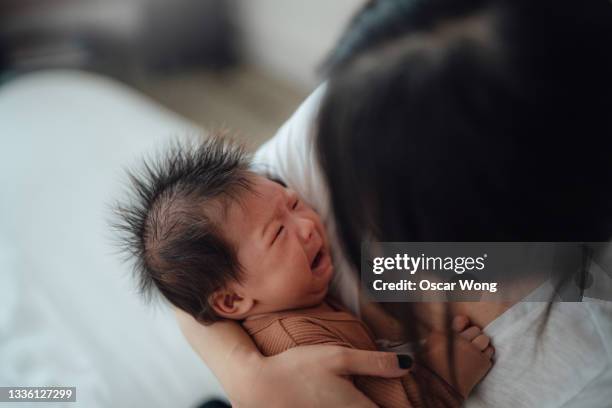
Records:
x=69, y=312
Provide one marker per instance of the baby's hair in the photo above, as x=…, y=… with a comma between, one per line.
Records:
x=169, y=226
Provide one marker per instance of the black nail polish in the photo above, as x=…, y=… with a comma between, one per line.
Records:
x=404, y=361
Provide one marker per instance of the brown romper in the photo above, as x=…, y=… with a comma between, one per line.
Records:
x=423, y=386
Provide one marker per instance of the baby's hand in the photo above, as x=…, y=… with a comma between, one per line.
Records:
x=471, y=357
x=473, y=334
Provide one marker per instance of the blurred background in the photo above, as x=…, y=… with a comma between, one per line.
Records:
x=87, y=88
x=241, y=63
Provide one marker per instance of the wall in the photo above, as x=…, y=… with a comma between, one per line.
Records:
x=290, y=38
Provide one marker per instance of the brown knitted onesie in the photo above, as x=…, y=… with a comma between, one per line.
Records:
x=424, y=386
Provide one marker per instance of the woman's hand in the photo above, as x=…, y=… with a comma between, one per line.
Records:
x=308, y=376
x=315, y=376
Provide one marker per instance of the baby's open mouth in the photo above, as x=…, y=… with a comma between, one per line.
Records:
x=317, y=259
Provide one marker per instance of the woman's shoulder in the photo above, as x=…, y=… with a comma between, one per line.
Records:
x=291, y=155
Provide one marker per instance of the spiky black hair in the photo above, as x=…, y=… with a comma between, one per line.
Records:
x=168, y=226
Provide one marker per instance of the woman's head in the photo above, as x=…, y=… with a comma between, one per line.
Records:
x=472, y=121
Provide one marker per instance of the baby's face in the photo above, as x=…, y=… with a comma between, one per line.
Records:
x=282, y=247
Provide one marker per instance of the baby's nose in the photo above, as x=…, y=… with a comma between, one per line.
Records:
x=306, y=229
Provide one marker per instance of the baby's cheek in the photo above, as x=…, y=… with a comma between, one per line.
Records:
x=293, y=279
x=299, y=281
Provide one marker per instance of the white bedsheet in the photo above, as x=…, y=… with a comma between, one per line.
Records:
x=69, y=314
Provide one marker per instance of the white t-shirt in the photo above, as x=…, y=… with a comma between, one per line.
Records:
x=569, y=365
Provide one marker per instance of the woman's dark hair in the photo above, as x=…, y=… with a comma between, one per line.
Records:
x=470, y=120
x=381, y=21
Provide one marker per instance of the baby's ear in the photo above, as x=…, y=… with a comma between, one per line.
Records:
x=229, y=304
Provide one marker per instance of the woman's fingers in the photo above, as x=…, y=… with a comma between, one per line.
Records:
x=372, y=363
x=323, y=368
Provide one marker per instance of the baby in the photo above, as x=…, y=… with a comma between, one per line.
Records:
x=221, y=242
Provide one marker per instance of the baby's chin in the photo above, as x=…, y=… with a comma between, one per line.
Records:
x=320, y=297
x=313, y=300
x=323, y=295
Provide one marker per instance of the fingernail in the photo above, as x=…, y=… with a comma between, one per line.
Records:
x=404, y=361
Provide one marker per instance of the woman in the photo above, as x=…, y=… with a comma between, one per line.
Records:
x=422, y=97
x=485, y=122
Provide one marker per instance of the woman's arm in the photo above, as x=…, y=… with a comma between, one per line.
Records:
x=303, y=376
x=225, y=348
